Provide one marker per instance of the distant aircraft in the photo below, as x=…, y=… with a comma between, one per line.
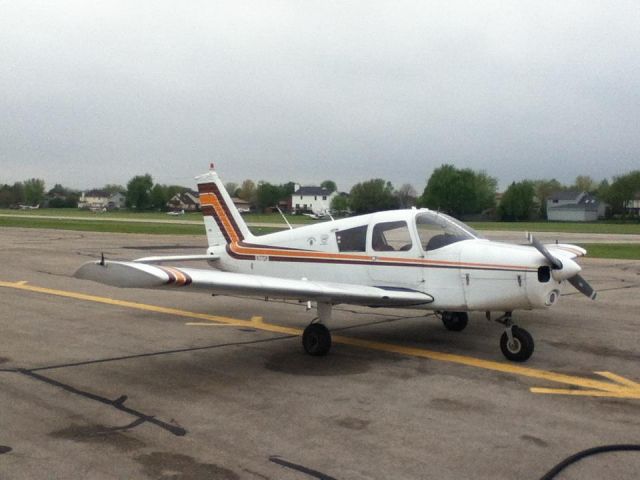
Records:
x=318, y=215
x=414, y=258
x=29, y=207
x=176, y=212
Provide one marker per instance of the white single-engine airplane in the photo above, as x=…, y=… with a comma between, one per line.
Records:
x=414, y=258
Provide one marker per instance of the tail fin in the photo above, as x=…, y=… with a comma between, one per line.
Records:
x=222, y=221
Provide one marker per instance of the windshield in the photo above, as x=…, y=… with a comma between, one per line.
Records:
x=437, y=230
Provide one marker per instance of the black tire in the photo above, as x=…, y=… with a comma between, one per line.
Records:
x=455, y=321
x=522, y=348
x=316, y=340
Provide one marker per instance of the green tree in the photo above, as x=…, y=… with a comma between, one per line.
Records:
x=623, y=189
x=459, y=191
x=287, y=190
x=543, y=190
x=34, y=191
x=112, y=188
x=11, y=194
x=268, y=195
x=62, y=197
x=231, y=188
x=159, y=196
x=139, y=192
x=517, y=203
x=372, y=196
x=248, y=192
x=584, y=183
x=330, y=185
x=406, y=196
x=340, y=204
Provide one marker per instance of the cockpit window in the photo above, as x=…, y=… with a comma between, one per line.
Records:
x=391, y=237
x=437, y=230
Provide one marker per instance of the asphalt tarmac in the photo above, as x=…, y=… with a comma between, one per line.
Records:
x=105, y=383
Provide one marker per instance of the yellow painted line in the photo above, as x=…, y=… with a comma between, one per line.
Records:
x=587, y=393
x=484, y=364
x=213, y=324
x=619, y=379
x=123, y=303
x=623, y=388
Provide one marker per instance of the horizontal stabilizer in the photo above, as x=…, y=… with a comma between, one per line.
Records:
x=143, y=275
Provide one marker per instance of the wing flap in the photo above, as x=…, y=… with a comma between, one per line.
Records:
x=142, y=275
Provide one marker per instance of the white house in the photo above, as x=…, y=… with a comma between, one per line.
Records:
x=574, y=207
x=101, y=199
x=311, y=199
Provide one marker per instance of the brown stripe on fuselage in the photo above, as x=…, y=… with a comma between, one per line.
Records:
x=240, y=252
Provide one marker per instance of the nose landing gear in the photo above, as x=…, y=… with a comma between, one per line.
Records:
x=516, y=343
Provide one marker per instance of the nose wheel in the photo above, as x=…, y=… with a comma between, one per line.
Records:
x=516, y=343
x=519, y=347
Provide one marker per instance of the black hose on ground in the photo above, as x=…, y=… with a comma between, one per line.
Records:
x=586, y=453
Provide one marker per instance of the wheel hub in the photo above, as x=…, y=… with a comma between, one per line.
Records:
x=514, y=345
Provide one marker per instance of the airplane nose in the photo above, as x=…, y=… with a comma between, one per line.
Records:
x=568, y=270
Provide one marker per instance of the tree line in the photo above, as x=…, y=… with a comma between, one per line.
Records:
x=460, y=192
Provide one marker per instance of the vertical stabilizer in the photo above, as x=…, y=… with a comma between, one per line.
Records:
x=222, y=221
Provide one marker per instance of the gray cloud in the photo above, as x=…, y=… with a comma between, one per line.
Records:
x=94, y=94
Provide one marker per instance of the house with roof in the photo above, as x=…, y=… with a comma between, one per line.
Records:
x=311, y=199
x=101, y=200
x=189, y=201
x=572, y=206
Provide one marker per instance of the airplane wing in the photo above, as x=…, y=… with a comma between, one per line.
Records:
x=145, y=275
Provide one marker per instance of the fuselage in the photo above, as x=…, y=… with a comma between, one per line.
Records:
x=414, y=249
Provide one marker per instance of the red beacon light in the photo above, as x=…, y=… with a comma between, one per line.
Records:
x=211, y=167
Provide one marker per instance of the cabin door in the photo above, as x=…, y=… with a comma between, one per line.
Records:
x=394, y=256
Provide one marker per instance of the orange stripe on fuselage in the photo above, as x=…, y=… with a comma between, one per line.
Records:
x=315, y=255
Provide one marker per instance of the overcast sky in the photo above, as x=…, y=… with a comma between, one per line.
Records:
x=96, y=92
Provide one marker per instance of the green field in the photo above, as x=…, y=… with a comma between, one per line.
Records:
x=191, y=216
x=115, y=227
x=570, y=227
x=623, y=251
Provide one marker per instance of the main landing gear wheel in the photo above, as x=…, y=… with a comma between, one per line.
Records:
x=316, y=339
x=519, y=347
x=455, y=321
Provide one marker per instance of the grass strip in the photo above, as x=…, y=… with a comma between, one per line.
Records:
x=115, y=227
x=621, y=251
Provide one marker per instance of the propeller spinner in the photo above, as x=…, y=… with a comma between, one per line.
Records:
x=569, y=270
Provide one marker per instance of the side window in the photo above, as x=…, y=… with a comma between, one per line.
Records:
x=352, y=239
x=391, y=237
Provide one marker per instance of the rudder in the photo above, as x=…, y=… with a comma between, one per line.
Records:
x=222, y=220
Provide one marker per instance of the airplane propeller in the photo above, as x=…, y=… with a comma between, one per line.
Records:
x=569, y=270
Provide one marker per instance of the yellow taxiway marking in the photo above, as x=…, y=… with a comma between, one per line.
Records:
x=617, y=386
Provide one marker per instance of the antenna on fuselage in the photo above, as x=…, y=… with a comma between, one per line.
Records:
x=284, y=218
